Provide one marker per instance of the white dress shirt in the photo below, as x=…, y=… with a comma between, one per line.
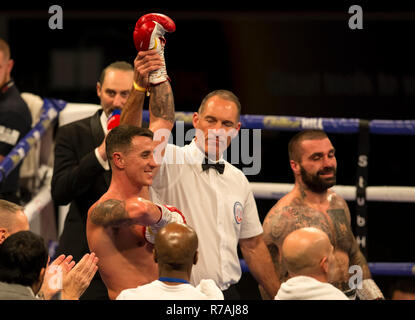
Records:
x=158, y=290
x=220, y=207
x=104, y=163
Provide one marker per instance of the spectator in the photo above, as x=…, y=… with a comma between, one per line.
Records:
x=308, y=255
x=15, y=123
x=23, y=262
x=76, y=278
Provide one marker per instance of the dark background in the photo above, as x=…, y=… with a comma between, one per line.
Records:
x=299, y=60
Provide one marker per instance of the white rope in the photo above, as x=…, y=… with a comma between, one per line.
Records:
x=43, y=196
x=264, y=190
x=36, y=205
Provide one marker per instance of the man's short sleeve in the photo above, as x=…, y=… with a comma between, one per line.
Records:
x=251, y=225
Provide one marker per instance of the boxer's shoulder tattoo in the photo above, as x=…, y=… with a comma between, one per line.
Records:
x=340, y=216
x=162, y=102
x=111, y=212
x=276, y=225
x=338, y=209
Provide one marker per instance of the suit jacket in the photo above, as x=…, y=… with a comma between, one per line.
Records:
x=78, y=179
x=15, y=117
x=12, y=291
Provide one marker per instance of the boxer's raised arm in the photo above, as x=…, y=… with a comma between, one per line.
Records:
x=144, y=64
x=161, y=107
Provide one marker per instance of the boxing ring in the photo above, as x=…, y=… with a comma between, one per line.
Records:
x=53, y=111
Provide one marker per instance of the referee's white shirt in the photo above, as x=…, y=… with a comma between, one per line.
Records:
x=220, y=207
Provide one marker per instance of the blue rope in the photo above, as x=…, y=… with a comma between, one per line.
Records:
x=330, y=125
x=51, y=109
x=376, y=268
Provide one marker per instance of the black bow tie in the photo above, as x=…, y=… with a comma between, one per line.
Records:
x=219, y=166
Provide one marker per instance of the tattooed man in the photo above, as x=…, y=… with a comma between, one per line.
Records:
x=311, y=203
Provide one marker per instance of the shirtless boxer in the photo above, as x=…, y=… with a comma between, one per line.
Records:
x=116, y=223
x=312, y=203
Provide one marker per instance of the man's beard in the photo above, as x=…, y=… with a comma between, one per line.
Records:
x=317, y=184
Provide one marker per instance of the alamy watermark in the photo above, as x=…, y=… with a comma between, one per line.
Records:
x=245, y=149
x=356, y=20
x=56, y=20
x=356, y=279
x=55, y=277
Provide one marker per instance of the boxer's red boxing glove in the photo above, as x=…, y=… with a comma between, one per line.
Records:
x=149, y=34
x=114, y=119
x=149, y=28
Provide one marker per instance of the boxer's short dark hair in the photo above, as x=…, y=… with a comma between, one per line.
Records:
x=119, y=138
x=294, y=144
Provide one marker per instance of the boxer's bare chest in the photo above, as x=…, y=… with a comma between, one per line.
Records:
x=330, y=217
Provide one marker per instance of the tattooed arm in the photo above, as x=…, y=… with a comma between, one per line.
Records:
x=132, y=112
x=161, y=117
x=369, y=289
x=355, y=255
x=161, y=107
x=144, y=63
x=117, y=213
x=277, y=224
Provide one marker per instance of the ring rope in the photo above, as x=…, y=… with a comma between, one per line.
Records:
x=51, y=109
x=263, y=190
x=376, y=268
x=330, y=125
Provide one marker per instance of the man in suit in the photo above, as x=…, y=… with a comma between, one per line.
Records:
x=81, y=172
x=15, y=122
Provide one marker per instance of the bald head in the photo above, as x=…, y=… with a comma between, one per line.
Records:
x=304, y=250
x=175, y=246
x=12, y=219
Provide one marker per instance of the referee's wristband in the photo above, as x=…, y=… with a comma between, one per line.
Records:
x=139, y=88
